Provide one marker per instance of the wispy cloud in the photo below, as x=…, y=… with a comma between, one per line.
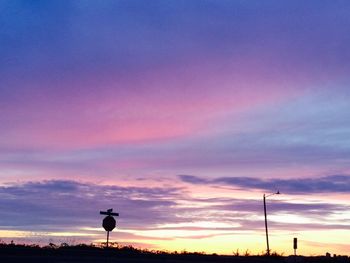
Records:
x=326, y=184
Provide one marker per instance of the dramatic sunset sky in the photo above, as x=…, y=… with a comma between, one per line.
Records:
x=180, y=115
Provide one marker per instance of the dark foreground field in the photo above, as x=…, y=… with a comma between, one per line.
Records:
x=11, y=253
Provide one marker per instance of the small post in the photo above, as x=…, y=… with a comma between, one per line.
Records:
x=295, y=246
x=107, y=239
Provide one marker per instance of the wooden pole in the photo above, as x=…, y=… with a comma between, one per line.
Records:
x=266, y=231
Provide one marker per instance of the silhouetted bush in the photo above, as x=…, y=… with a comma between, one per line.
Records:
x=52, y=253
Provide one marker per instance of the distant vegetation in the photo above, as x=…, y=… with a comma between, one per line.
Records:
x=64, y=253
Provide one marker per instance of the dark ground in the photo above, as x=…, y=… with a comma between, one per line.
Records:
x=11, y=253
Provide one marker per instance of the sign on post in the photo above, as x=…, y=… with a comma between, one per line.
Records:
x=295, y=245
x=108, y=222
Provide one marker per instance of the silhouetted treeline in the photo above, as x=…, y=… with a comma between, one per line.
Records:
x=64, y=253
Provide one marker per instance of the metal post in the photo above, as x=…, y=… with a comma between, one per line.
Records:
x=108, y=222
x=107, y=238
x=267, y=233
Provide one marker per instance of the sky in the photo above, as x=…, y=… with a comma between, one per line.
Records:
x=179, y=115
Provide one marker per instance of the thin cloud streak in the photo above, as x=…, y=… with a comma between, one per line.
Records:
x=326, y=184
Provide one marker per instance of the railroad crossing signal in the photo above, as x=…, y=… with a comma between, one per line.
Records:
x=109, y=222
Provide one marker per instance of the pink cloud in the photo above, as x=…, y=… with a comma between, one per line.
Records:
x=158, y=104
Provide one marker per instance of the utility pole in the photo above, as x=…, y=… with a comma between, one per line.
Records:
x=266, y=230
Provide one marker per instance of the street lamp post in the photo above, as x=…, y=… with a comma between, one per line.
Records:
x=266, y=230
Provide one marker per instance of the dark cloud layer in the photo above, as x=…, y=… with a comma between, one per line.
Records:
x=68, y=205
x=52, y=204
x=326, y=184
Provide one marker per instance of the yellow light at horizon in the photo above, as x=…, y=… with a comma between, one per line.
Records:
x=70, y=234
x=293, y=219
x=15, y=233
x=24, y=233
x=201, y=224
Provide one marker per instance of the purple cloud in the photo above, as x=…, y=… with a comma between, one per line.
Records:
x=63, y=205
x=326, y=184
x=54, y=204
